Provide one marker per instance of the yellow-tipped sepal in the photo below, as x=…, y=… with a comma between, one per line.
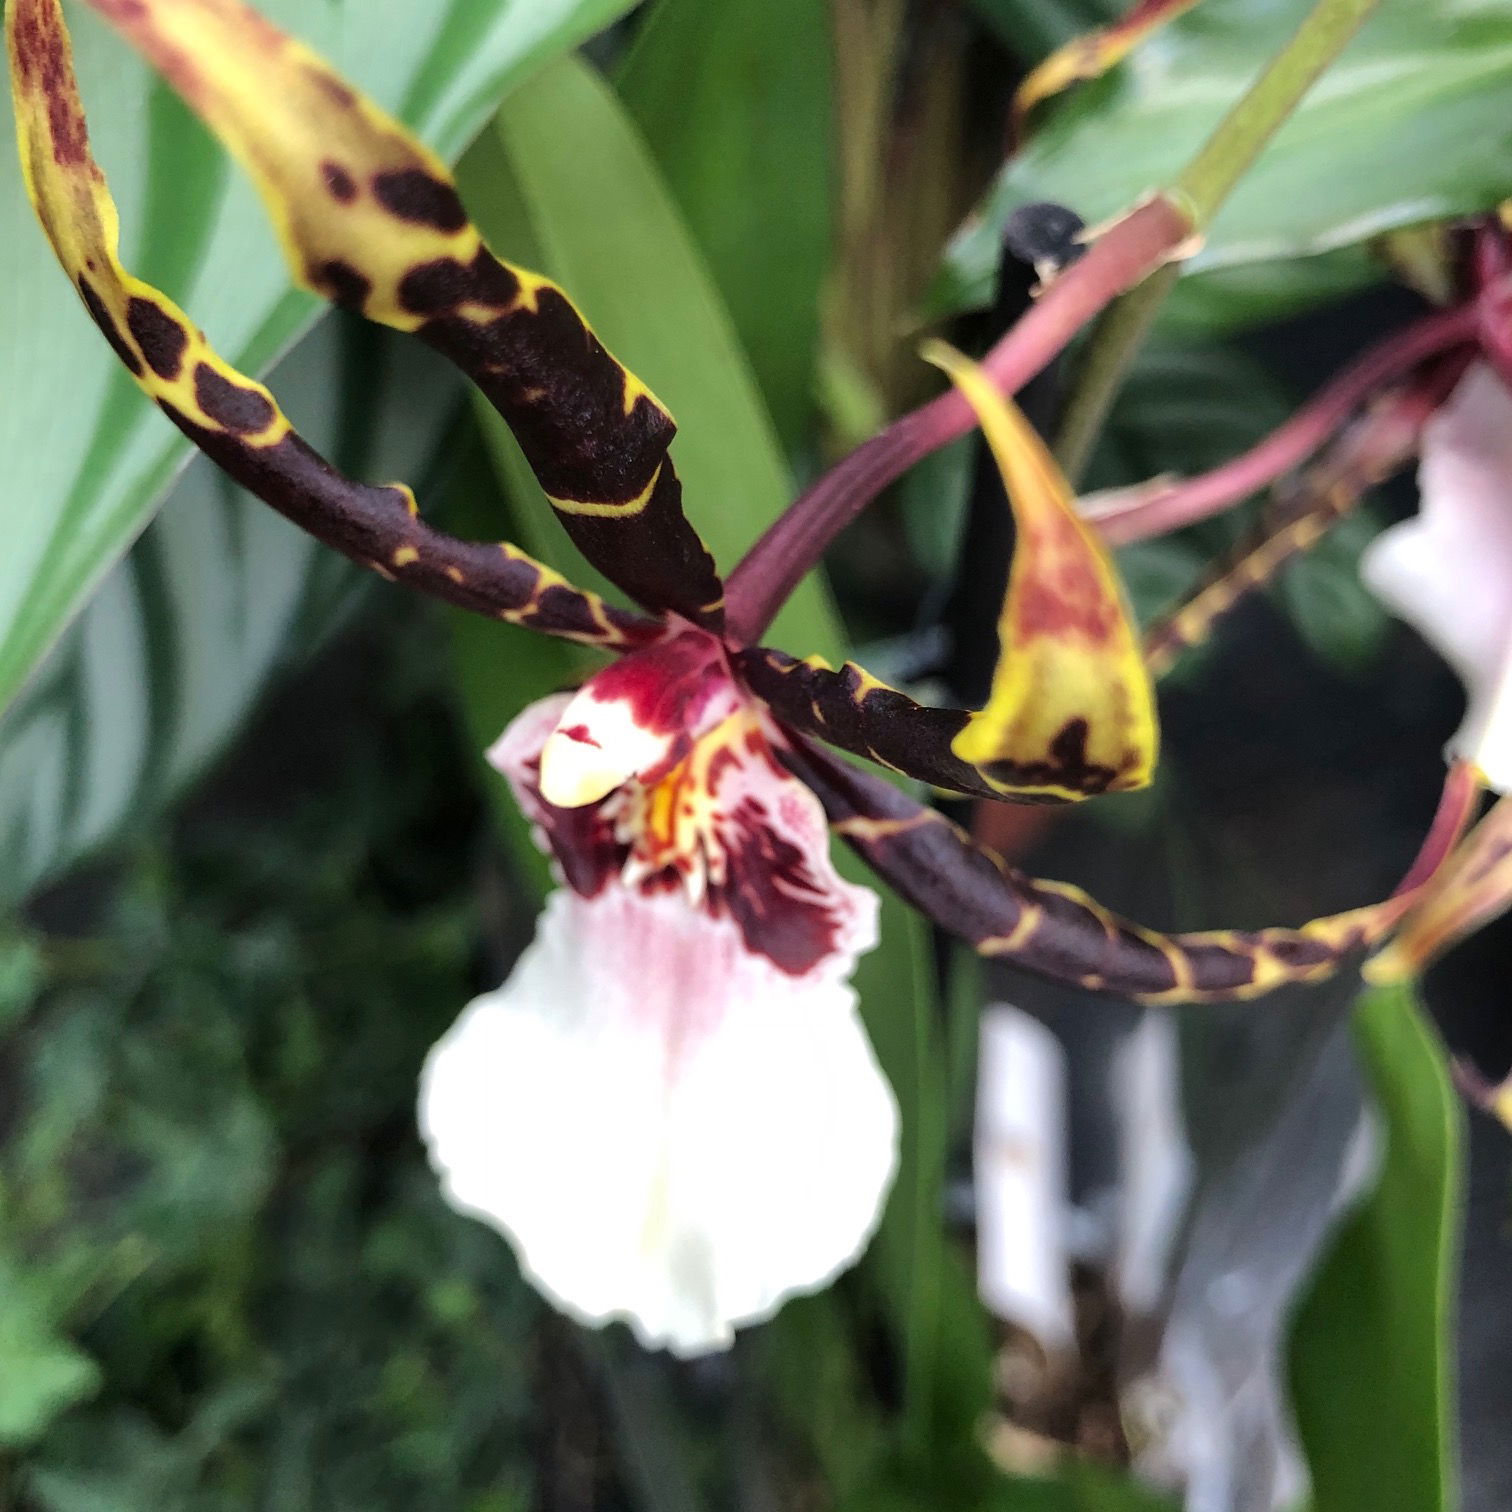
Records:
x=1072, y=707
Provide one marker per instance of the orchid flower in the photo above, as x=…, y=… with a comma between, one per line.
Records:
x=670, y=1107
x=1448, y=570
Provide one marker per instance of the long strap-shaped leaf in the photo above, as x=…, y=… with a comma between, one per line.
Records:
x=1072, y=709
x=369, y=217
x=232, y=419
x=1061, y=932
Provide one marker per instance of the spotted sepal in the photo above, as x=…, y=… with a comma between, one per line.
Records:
x=232, y=419
x=1071, y=710
x=1057, y=930
x=370, y=218
x=852, y=709
x=1235, y=576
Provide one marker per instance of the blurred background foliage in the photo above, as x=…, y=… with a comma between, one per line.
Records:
x=253, y=864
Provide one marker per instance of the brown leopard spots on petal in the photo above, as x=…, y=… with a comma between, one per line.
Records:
x=242, y=411
x=359, y=204
x=340, y=184
x=40, y=53
x=108, y=328
x=416, y=196
x=1065, y=765
x=342, y=283
x=493, y=283
x=442, y=284
x=1298, y=953
x=434, y=286
x=564, y=606
x=333, y=88
x=161, y=338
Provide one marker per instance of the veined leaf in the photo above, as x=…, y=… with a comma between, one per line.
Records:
x=167, y=659
x=1410, y=124
x=87, y=458
x=734, y=102
x=1372, y=1349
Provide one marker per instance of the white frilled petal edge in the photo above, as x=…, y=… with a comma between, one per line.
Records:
x=1448, y=570
x=670, y=1128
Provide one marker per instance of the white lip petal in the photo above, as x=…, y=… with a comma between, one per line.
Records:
x=669, y=1129
x=1448, y=571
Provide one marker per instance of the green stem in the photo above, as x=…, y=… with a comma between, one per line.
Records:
x=1201, y=189
x=1243, y=132
x=1115, y=338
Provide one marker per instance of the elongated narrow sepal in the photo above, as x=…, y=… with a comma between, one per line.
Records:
x=1093, y=54
x=850, y=708
x=1059, y=931
x=1072, y=708
x=1239, y=574
x=370, y=218
x=232, y=419
x=1473, y=887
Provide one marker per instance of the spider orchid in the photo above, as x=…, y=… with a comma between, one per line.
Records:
x=1448, y=572
x=670, y=1107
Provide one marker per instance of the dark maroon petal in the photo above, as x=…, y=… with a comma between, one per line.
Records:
x=783, y=909
x=1058, y=930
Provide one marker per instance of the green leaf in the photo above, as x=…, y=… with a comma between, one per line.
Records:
x=733, y=100
x=1409, y=125
x=1372, y=1348
x=1082, y=1486
x=168, y=658
x=943, y=1333
x=88, y=459
x=41, y=1373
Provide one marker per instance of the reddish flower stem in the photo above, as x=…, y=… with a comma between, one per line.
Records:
x=1456, y=808
x=1125, y=253
x=1137, y=514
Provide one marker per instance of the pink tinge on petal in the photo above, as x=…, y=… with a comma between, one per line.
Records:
x=669, y=1129
x=1448, y=571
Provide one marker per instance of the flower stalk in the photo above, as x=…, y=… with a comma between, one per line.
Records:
x=1201, y=189
x=1125, y=253
x=1126, y=515
x=1122, y=258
